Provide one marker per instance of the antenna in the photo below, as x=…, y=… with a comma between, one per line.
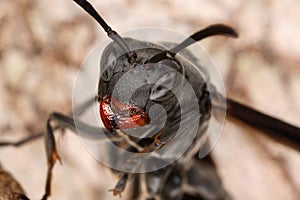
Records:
x=216, y=29
x=110, y=32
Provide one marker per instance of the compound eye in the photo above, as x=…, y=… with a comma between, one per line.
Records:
x=109, y=67
x=165, y=87
x=108, y=63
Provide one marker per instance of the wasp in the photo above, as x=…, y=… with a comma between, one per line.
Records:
x=178, y=180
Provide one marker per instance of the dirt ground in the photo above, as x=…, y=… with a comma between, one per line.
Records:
x=43, y=43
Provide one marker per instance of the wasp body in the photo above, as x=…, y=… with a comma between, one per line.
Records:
x=187, y=176
x=175, y=181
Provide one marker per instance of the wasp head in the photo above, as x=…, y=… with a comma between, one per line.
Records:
x=127, y=90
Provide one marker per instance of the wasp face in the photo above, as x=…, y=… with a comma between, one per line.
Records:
x=127, y=90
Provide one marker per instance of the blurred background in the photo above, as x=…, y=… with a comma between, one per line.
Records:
x=43, y=43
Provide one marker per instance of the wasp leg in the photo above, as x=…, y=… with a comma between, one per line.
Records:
x=52, y=156
x=88, y=131
x=120, y=186
x=63, y=122
x=67, y=122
